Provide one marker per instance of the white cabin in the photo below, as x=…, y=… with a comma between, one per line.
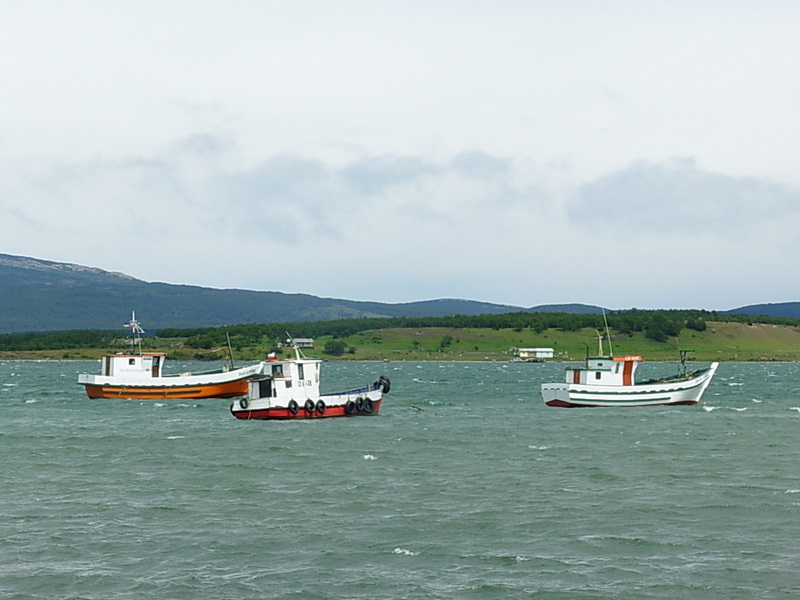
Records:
x=132, y=366
x=284, y=380
x=605, y=371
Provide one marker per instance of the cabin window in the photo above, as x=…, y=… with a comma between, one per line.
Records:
x=300, y=372
x=597, y=374
x=131, y=361
x=617, y=369
x=288, y=383
x=277, y=370
x=265, y=388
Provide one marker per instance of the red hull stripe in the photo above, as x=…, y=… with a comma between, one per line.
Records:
x=276, y=413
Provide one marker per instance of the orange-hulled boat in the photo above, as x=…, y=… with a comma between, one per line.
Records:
x=140, y=375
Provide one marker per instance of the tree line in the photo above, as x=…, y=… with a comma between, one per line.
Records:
x=657, y=325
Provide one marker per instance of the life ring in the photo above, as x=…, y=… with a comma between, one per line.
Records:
x=309, y=406
x=243, y=403
x=359, y=404
x=293, y=408
x=350, y=408
x=321, y=408
x=369, y=406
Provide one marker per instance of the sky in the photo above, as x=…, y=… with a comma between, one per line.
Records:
x=617, y=153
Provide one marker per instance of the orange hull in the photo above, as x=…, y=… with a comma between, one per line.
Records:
x=231, y=389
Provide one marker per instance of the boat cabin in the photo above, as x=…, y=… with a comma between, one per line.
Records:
x=605, y=371
x=284, y=380
x=146, y=365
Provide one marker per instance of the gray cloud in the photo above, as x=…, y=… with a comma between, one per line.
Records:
x=678, y=196
x=479, y=223
x=371, y=177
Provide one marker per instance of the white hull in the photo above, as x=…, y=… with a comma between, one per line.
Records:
x=671, y=391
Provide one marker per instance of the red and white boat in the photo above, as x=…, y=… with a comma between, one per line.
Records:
x=141, y=375
x=289, y=389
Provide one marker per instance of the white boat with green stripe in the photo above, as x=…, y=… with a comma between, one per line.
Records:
x=611, y=381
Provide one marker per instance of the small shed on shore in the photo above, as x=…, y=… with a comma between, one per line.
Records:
x=533, y=353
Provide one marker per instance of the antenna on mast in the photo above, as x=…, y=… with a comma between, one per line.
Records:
x=136, y=332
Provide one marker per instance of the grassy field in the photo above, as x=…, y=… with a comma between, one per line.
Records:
x=720, y=342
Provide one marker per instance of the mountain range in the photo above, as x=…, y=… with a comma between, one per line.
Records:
x=42, y=295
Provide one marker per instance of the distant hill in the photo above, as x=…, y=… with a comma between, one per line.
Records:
x=571, y=309
x=41, y=295
x=780, y=309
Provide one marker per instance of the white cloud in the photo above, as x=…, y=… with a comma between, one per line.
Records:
x=398, y=151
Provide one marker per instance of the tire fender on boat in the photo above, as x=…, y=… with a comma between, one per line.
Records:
x=321, y=408
x=309, y=406
x=350, y=407
x=359, y=404
x=383, y=383
x=293, y=408
x=243, y=403
x=369, y=406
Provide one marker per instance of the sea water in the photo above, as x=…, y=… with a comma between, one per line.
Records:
x=465, y=486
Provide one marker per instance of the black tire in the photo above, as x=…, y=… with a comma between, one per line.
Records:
x=350, y=408
x=369, y=406
x=384, y=383
x=309, y=406
x=243, y=403
x=359, y=404
x=293, y=408
x=321, y=408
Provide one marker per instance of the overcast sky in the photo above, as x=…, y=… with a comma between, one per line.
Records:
x=621, y=153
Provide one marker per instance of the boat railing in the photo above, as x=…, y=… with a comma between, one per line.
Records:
x=353, y=392
x=216, y=371
x=682, y=376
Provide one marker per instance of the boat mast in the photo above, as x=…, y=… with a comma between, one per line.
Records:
x=608, y=334
x=298, y=354
x=599, y=344
x=230, y=351
x=683, y=354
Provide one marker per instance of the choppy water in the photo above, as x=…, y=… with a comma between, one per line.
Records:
x=483, y=493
